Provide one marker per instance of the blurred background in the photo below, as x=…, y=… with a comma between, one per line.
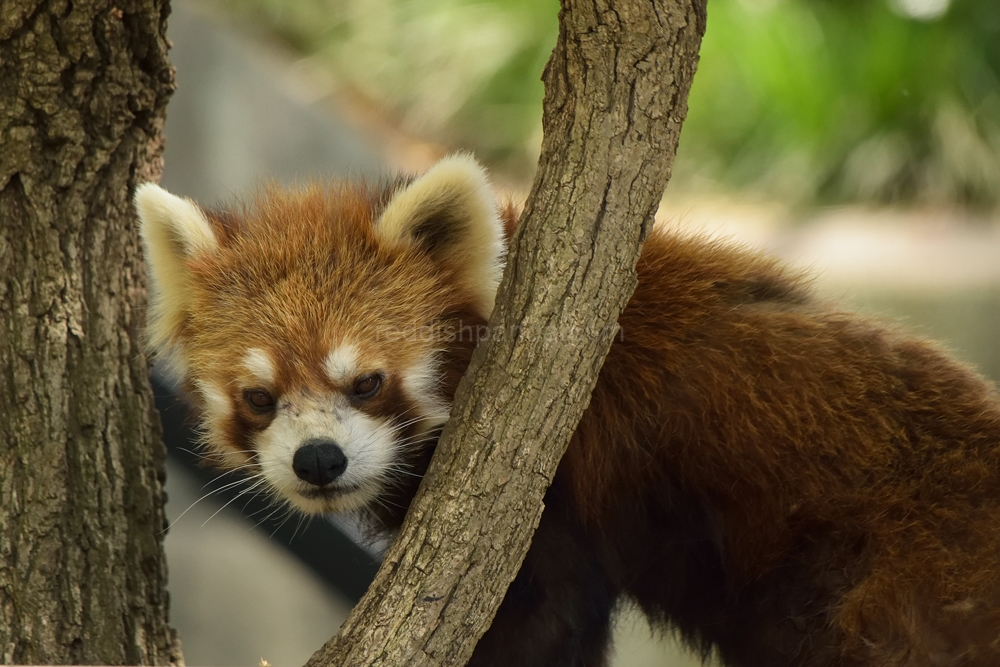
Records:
x=857, y=138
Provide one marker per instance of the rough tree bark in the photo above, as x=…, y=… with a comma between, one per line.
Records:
x=616, y=94
x=83, y=90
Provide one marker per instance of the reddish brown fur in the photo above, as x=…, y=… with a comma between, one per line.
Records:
x=834, y=459
x=278, y=256
x=784, y=483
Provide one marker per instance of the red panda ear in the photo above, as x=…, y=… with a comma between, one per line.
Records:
x=172, y=230
x=451, y=213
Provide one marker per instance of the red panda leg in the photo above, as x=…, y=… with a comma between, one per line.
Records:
x=557, y=612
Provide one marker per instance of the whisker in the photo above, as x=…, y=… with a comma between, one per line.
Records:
x=303, y=518
x=288, y=514
x=242, y=493
x=242, y=480
x=227, y=472
x=275, y=509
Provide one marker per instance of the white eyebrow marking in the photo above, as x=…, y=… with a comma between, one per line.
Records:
x=217, y=406
x=420, y=382
x=342, y=363
x=259, y=362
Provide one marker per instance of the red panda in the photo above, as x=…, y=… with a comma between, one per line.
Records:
x=778, y=481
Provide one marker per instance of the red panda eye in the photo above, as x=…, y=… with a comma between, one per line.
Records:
x=367, y=386
x=259, y=400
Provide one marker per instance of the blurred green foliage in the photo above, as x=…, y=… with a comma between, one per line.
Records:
x=849, y=100
x=808, y=100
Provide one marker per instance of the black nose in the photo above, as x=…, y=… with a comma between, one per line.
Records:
x=319, y=461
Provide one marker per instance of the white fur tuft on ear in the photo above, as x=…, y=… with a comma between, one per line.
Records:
x=173, y=220
x=172, y=230
x=451, y=212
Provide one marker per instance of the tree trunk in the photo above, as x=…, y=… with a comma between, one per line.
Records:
x=83, y=90
x=616, y=94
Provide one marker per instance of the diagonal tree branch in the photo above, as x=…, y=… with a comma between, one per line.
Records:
x=616, y=93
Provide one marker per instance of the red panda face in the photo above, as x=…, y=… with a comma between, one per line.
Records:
x=316, y=329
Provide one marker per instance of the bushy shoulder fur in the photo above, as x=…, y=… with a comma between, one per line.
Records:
x=825, y=488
